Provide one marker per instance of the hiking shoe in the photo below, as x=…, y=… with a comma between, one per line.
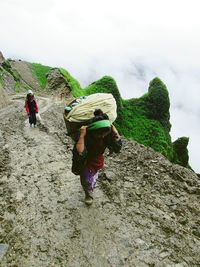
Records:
x=88, y=199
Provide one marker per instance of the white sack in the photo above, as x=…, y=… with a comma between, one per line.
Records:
x=85, y=110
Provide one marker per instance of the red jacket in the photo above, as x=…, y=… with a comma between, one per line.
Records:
x=31, y=106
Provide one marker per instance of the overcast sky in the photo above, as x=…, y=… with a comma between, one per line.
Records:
x=131, y=40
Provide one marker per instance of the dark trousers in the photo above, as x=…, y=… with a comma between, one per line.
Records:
x=32, y=118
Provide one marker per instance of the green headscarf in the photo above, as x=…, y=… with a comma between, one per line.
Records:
x=98, y=125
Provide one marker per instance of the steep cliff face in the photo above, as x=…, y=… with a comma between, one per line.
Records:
x=19, y=76
x=16, y=76
x=26, y=76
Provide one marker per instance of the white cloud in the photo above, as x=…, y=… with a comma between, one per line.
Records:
x=133, y=41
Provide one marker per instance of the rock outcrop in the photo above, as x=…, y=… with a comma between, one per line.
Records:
x=56, y=82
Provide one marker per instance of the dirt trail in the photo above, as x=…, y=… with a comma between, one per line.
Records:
x=51, y=226
x=133, y=222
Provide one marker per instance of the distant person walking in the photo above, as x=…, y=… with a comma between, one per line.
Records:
x=31, y=108
x=88, y=151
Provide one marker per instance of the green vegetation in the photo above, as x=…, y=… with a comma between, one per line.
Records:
x=181, y=156
x=17, y=87
x=105, y=85
x=7, y=66
x=144, y=119
x=135, y=124
x=73, y=83
x=20, y=87
x=158, y=103
x=40, y=72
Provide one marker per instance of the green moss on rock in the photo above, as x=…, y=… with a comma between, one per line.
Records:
x=158, y=103
x=134, y=123
x=73, y=83
x=40, y=72
x=144, y=119
x=181, y=156
x=106, y=85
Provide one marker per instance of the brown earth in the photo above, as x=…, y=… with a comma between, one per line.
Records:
x=145, y=211
x=26, y=74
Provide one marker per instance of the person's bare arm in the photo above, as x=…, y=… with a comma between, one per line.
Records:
x=115, y=132
x=80, y=145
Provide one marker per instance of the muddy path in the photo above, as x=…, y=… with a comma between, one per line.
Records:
x=44, y=221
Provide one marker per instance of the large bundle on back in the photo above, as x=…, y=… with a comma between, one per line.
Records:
x=81, y=110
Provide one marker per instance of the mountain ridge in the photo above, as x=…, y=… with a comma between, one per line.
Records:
x=145, y=119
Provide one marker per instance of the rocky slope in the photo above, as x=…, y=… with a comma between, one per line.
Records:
x=25, y=72
x=145, y=213
x=4, y=97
